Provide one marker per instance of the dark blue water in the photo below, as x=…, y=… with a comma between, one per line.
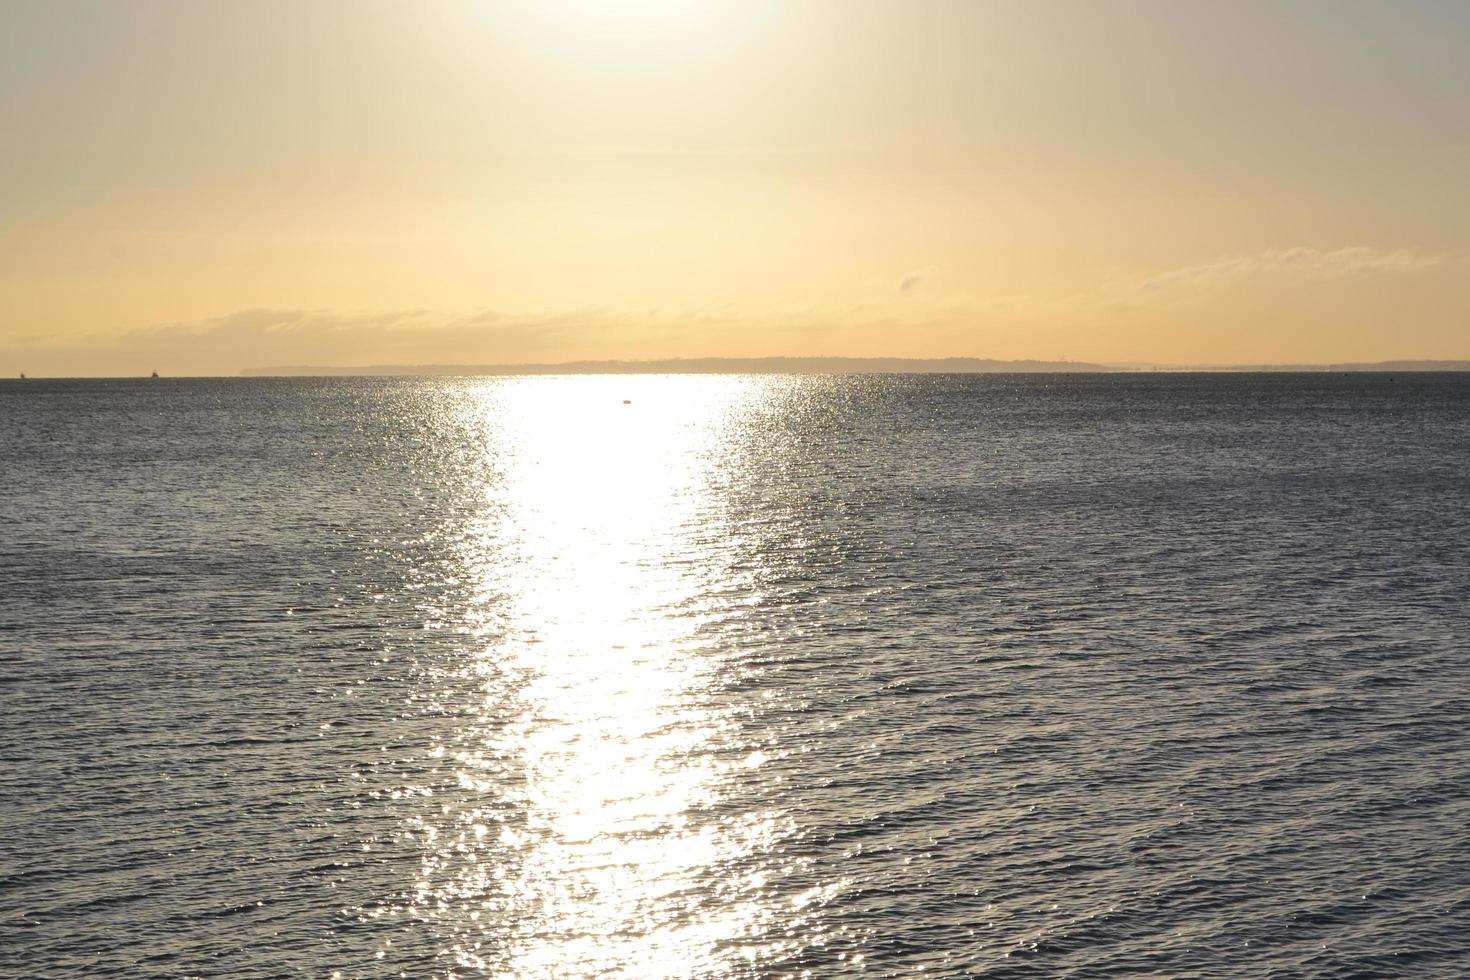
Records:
x=1004, y=676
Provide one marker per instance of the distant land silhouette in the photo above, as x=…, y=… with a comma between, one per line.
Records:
x=826, y=365
x=1370, y=366
x=715, y=365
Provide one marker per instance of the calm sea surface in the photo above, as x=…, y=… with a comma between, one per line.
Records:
x=1002, y=676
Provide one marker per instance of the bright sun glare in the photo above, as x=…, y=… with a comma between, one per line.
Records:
x=651, y=31
x=597, y=695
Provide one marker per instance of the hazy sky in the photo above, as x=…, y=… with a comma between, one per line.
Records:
x=202, y=187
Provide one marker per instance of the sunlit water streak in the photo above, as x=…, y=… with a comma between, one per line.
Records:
x=747, y=677
x=596, y=765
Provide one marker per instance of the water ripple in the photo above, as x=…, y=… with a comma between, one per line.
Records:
x=744, y=677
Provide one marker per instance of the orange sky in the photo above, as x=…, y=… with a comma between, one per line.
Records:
x=204, y=188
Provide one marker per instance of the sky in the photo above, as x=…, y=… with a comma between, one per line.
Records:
x=202, y=187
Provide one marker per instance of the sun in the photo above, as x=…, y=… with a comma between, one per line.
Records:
x=649, y=31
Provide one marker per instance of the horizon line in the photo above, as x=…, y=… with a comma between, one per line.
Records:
x=797, y=365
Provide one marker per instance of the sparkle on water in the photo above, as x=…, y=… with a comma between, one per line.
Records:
x=599, y=742
x=735, y=677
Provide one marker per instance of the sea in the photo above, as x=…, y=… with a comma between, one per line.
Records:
x=680, y=676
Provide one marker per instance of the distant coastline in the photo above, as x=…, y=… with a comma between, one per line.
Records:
x=714, y=365
x=834, y=365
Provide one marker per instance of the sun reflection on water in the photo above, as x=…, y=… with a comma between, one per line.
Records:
x=589, y=835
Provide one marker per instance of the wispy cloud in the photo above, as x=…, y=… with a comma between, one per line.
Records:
x=1353, y=260
x=267, y=335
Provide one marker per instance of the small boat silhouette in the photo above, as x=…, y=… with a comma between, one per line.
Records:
x=155, y=374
